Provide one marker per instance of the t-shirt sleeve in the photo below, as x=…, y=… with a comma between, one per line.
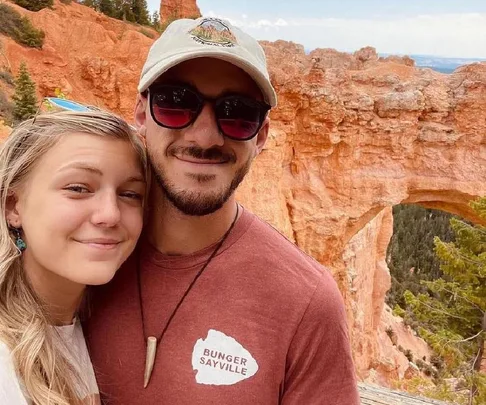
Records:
x=320, y=369
x=10, y=391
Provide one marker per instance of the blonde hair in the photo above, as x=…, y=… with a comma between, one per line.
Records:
x=48, y=377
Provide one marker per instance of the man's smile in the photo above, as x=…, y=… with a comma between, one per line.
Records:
x=193, y=160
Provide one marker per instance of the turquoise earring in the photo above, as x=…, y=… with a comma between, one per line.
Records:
x=19, y=242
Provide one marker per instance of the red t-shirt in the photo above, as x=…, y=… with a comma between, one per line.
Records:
x=264, y=324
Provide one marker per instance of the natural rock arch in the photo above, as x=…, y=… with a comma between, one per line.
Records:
x=353, y=136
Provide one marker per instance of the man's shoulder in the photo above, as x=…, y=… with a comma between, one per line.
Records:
x=272, y=245
x=282, y=263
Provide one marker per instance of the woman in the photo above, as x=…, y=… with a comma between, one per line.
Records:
x=71, y=194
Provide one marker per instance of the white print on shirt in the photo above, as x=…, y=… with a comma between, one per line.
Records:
x=221, y=360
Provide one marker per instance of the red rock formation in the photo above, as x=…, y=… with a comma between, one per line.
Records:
x=352, y=136
x=89, y=56
x=174, y=9
x=4, y=130
x=355, y=135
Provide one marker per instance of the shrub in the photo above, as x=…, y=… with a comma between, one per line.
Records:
x=9, y=20
x=6, y=108
x=420, y=364
x=147, y=33
x=408, y=354
x=437, y=361
x=31, y=36
x=398, y=311
x=7, y=78
x=411, y=322
x=392, y=335
x=34, y=5
x=430, y=371
x=19, y=28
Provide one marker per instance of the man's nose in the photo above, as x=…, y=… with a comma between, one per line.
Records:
x=204, y=131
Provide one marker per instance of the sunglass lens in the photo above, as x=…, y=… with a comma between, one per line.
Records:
x=239, y=118
x=174, y=107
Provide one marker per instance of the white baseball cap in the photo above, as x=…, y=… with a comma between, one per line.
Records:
x=207, y=37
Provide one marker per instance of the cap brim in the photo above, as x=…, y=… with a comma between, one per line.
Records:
x=164, y=65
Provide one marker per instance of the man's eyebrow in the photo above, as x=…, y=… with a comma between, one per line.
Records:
x=224, y=93
x=176, y=82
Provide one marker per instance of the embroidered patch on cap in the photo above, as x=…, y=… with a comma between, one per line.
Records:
x=221, y=360
x=212, y=31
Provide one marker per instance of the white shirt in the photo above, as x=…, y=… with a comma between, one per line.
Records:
x=73, y=347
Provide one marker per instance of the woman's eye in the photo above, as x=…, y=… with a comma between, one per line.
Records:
x=77, y=188
x=132, y=195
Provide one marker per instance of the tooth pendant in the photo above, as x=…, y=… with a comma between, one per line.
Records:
x=150, y=359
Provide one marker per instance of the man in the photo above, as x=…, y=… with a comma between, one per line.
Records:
x=215, y=307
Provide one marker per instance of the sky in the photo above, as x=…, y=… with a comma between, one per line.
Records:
x=447, y=28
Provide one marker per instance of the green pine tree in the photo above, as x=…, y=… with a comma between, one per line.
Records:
x=91, y=3
x=410, y=254
x=135, y=11
x=25, y=98
x=34, y=5
x=140, y=11
x=107, y=7
x=123, y=10
x=19, y=28
x=155, y=21
x=452, y=314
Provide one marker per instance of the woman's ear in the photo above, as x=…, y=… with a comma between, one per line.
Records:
x=12, y=213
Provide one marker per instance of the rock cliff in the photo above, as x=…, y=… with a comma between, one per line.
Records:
x=353, y=135
x=173, y=9
x=89, y=56
x=4, y=130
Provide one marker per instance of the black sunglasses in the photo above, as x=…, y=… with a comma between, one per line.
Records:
x=178, y=106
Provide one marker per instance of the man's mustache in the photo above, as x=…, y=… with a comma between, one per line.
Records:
x=205, y=154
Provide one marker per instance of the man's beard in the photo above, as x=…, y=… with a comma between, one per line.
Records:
x=198, y=203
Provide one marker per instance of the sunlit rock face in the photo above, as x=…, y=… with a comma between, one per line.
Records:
x=88, y=56
x=4, y=130
x=173, y=9
x=353, y=135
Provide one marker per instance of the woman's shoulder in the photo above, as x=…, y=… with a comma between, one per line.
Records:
x=6, y=363
x=4, y=350
x=10, y=391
